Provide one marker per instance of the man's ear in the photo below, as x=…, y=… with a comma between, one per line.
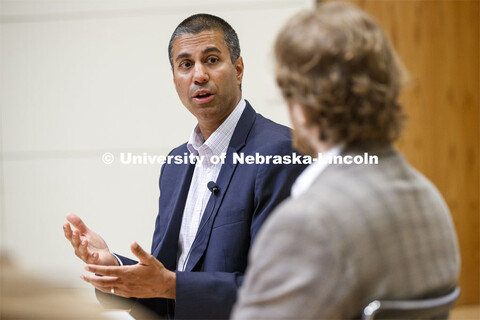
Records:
x=239, y=69
x=298, y=114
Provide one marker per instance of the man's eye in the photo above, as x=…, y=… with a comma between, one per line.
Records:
x=212, y=60
x=185, y=64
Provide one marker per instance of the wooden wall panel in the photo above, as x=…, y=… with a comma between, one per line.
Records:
x=439, y=43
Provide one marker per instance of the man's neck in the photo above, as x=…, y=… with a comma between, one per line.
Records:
x=208, y=127
x=322, y=146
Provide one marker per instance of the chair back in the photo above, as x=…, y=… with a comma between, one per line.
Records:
x=436, y=308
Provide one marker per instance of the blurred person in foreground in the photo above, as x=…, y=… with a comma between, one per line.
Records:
x=353, y=233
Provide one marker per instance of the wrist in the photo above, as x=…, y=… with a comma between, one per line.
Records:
x=114, y=260
x=171, y=284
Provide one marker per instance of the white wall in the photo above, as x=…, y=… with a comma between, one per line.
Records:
x=80, y=78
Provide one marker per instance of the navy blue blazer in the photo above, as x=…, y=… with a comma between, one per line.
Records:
x=248, y=193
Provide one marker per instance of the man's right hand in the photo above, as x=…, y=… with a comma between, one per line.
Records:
x=88, y=245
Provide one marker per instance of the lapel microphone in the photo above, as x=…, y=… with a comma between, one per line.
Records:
x=215, y=190
x=213, y=187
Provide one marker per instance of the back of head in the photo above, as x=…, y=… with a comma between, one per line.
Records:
x=339, y=65
x=204, y=22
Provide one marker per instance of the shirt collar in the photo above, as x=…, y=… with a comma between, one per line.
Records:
x=310, y=174
x=218, y=141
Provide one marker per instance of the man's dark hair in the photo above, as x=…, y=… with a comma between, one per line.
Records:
x=203, y=22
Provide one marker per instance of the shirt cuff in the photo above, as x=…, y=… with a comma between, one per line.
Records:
x=119, y=261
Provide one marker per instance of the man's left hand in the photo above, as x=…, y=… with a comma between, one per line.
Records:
x=146, y=279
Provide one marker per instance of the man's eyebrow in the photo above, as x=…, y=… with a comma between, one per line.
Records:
x=182, y=55
x=211, y=49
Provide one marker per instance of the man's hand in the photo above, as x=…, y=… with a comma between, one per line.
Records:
x=147, y=279
x=88, y=245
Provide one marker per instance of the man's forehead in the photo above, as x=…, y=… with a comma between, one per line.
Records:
x=202, y=40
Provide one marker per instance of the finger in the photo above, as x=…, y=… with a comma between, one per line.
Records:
x=83, y=249
x=76, y=239
x=107, y=270
x=67, y=231
x=99, y=281
x=142, y=255
x=77, y=222
x=92, y=257
x=95, y=256
x=118, y=291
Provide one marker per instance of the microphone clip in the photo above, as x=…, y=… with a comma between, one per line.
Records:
x=213, y=187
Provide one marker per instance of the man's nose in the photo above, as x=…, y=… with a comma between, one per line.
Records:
x=200, y=74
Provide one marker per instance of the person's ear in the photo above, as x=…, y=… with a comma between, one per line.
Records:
x=298, y=114
x=239, y=69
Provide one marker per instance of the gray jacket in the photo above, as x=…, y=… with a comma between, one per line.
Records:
x=360, y=233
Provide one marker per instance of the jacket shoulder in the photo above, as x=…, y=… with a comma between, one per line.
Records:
x=269, y=137
x=180, y=150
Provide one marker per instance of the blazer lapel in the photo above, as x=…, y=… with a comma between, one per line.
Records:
x=237, y=142
x=166, y=250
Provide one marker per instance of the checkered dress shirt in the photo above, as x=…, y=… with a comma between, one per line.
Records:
x=205, y=171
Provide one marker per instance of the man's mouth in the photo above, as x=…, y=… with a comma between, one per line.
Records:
x=203, y=96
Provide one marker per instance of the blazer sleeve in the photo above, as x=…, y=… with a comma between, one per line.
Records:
x=211, y=295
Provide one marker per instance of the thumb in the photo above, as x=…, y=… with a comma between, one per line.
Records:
x=143, y=257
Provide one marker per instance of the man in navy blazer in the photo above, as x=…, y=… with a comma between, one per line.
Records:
x=200, y=280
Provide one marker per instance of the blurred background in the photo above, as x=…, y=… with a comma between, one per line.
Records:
x=79, y=78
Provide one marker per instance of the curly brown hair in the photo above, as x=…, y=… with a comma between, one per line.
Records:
x=338, y=64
